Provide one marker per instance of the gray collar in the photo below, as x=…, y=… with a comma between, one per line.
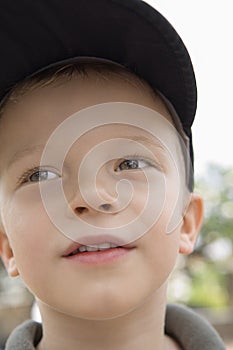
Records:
x=182, y=324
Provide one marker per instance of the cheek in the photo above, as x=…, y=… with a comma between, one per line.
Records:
x=161, y=250
x=27, y=225
x=148, y=198
x=165, y=252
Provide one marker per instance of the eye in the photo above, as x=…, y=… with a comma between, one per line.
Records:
x=35, y=175
x=42, y=175
x=131, y=164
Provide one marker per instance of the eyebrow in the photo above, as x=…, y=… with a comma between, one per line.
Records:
x=37, y=148
x=145, y=140
x=24, y=153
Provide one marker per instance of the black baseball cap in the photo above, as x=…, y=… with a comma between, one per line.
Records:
x=42, y=33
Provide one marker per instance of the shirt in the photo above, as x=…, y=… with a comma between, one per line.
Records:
x=188, y=329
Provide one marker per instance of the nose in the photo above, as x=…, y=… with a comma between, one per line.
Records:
x=81, y=208
x=90, y=198
x=102, y=193
x=105, y=207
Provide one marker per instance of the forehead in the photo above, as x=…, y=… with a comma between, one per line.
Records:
x=31, y=120
x=91, y=88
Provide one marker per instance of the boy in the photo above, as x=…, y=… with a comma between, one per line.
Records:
x=96, y=188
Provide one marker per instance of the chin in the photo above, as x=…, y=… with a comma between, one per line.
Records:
x=98, y=308
x=106, y=310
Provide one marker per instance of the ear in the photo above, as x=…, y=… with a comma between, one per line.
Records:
x=192, y=221
x=7, y=255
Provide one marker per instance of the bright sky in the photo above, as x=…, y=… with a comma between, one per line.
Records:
x=206, y=27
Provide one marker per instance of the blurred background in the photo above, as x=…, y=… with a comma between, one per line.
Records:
x=204, y=280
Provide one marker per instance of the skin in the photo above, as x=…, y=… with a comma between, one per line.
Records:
x=119, y=305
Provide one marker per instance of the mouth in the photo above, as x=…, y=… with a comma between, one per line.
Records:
x=97, y=250
x=92, y=248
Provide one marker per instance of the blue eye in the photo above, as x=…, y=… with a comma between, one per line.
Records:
x=131, y=164
x=36, y=175
x=42, y=175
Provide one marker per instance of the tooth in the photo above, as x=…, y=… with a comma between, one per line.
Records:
x=96, y=247
x=104, y=246
x=83, y=248
x=91, y=249
x=75, y=252
x=112, y=245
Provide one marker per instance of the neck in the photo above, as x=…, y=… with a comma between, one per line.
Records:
x=141, y=328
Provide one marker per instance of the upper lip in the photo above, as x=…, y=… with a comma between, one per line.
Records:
x=96, y=240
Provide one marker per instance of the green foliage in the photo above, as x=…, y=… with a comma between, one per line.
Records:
x=208, y=286
x=217, y=189
x=208, y=272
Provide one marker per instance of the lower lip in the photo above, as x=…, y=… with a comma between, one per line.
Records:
x=100, y=256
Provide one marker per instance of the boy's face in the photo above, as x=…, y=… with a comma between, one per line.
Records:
x=34, y=247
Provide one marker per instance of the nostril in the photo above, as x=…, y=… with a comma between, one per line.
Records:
x=105, y=207
x=81, y=210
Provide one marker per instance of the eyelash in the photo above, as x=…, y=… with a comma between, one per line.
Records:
x=25, y=176
x=139, y=157
x=22, y=178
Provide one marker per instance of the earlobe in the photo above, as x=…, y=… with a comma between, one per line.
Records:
x=12, y=267
x=192, y=221
x=7, y=256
